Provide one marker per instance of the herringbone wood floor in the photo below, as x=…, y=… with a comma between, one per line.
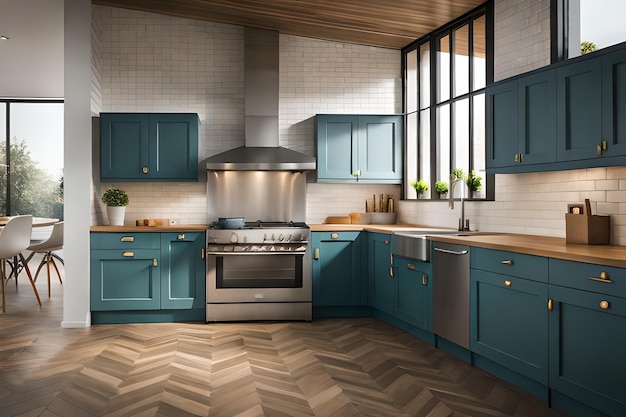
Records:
x=334, y=367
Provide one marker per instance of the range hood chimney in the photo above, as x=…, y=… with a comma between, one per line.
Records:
x=261, y=151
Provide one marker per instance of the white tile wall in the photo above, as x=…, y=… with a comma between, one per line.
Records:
x=154, y=63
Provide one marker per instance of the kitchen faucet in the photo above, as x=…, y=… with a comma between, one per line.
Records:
x=463, y=223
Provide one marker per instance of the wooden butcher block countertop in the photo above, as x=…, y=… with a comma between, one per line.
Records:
x=551, y=247
x=131, y=229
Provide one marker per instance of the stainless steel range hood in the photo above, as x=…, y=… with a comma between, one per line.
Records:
x=261, y=151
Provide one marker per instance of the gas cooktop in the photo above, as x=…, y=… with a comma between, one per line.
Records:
x=260, y=224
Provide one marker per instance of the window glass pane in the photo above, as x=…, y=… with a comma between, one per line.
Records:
x=461, y=134
x=424, y=145
x=443, y=69
x=411, y=153
x=424, y=75
x=479, y=61
x=443, y=142
x=600, y=22
x=3, y=158
x=479, y=139
x=36, y=155
x=461, y=61
x=411, y=81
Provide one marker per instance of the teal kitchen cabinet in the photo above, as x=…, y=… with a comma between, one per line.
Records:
x=522, y=121
x=183, y=270
x=147, y=273
x=148, y=147
x=587, y=334
x=337, y=273
x=508, y=311
x=381, y=282
x=361, y=148
x=614, y=103
x=125, y=271
x=414, y=292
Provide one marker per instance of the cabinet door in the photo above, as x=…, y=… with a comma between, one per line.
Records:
x=502, y=124
x=183, y=272
x=336, y=146
x=380, y=148
x=123, y=146
x=125, y=279
x=414, y=293
x=382, y=285
x=587, y=345
x=509, y=322
x=614, y=103
x=537, y=118
x=337, y=270
x=173, y=147
x=579, y=110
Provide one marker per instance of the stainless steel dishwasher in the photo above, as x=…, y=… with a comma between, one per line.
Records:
x=451, y=292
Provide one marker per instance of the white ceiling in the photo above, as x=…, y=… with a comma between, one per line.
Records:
x=31, y=61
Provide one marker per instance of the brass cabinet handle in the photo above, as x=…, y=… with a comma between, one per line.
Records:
x=424, y=279
x=550, y=304
x=154, y=262
x=203, y=253
x=410, y=266
x=144, y=170
x=316, y=253
x=334, y=235
x=507, y=283
x=180, y=237
x=518, y=158
x=391, y=271
x=128, y=254
x=604, y=305
x=507, y=262
x=127, y=239
x=604, y=277
x=599, y=150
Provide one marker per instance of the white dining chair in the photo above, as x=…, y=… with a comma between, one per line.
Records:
x=15, y=238
x=53, y=243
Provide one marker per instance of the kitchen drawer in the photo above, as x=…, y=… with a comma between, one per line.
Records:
x=125, y=241
x=339, y=236
x=511, y=263
x=588, y=277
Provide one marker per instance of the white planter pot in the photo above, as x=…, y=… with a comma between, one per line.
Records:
x=116, y=215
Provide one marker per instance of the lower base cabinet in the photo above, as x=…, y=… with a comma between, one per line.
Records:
x=138, y=277
x=414, y=293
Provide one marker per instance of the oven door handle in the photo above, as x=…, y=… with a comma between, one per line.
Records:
x=248, y=253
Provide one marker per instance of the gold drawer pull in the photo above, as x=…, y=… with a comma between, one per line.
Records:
x=604, y=277
x=604, y=305
x=127, y=239
x=424, y=279
x=203, y=253
x=507, y=283
x=334, y=235
x=507, y=262
x=180, y=237
x=410, y=266
x=316, y=253
x=128, y=254
x=154, y=262
x=144, y=170
x=550, y=304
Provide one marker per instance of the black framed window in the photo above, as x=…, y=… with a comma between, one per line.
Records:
x=31, y=157
x=445, y=75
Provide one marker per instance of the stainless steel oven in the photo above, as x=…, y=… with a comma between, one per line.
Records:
x=259, y=272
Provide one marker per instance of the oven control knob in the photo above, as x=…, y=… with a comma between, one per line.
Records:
x=234, y=238
x=281, y=237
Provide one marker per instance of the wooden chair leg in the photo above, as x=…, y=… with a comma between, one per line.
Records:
x=30, y=278
x=56, y=268
x=4, y=285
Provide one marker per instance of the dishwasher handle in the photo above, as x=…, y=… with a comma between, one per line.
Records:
x=452, y=252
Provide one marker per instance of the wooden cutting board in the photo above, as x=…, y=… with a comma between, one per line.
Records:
x=151, y=222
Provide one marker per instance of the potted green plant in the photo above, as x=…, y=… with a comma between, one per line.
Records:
x=420, y=187
x=116, y=201
x=441, y=187
x=473, y=181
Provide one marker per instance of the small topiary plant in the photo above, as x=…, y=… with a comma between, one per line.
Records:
x=473, y=181
x=420, y=187
x=441, y=187
x=115, y=197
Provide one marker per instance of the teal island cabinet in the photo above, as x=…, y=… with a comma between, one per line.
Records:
x=359, y=148
x=148, y=147
x=339, y=287
x=147, y=277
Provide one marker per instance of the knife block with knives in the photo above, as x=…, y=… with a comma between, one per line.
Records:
x=587, y=229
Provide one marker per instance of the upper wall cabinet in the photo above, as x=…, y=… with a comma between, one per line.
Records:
x=148, y=147
x=567, y=116
x=354, y=148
